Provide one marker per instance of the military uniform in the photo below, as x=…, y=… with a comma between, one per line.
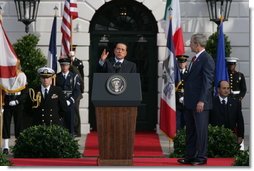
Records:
x=78, y=68
x=237, y=85
x=71, y=89
x=50, y=108
x=236, y=80
x=180, y=121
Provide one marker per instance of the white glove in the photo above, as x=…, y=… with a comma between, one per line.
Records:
x=12, y=103
x=68, y=102
x=181, y=99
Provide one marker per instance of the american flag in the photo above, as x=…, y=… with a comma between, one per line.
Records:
x=70, y=13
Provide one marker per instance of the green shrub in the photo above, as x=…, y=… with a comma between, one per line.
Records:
x=179, y=144
x=211, y=46
x=31, y=57
x=221, y=143
x=242, y=158
x=4, y=160
x=46, y=142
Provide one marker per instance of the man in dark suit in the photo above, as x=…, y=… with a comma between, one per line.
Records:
x=117, y=64
x=48, y=104
x=227, y=111
x=198, y=102
x=180, y=110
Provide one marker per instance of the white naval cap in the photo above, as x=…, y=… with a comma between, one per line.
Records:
x=232, y=59
x=45, y=72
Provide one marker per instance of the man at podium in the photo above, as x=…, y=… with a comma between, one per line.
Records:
x=117, y=64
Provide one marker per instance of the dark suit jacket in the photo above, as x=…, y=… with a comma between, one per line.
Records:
x=198, y=82
x=126, y=67
x=233, y=119
x=51, y=110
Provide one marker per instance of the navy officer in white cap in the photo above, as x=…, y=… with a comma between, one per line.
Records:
x=48, y=104
x=236, y=79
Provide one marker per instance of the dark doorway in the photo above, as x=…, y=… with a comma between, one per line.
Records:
x=130, y=22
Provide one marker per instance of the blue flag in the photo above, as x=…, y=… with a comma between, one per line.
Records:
x=221, y=68
x=52, y=58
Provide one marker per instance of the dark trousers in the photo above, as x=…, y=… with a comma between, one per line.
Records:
x=69, y=119
x=77, y=129
x=196, y=134
x=180, y=120
x=17, y=113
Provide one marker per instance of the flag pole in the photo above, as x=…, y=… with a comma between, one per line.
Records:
x=54, y=77
x=1, y=116
x=1, y=97
x=71, y=36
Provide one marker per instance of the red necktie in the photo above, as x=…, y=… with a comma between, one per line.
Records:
x=193, y=59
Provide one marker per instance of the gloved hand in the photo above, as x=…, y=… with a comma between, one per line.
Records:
x=13, y=103
x=68, y=102
x=181, y=99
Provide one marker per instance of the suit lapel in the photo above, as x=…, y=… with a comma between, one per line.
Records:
x=123, y=67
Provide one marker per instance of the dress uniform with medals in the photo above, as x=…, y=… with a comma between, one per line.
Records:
x=69, y=82
x=182, y=63
x=48, y=104
x=236, y=80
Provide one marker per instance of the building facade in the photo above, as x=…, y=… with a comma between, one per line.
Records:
x=88, y=33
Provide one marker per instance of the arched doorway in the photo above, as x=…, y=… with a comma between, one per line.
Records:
x=133, y=23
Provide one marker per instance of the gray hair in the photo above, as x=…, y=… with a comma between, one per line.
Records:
x=199, y=39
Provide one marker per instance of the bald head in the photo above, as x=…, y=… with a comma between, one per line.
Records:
x=223, y=88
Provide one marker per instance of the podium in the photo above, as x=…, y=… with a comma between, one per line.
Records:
x=116, y=97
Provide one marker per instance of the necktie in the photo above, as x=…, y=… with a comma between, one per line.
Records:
x=192, y=61
x=223, y=102
x=224, y=105
x=225, y=113
x=45, y=93
x=117, y=66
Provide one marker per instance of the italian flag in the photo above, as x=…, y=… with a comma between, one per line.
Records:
x=175, y=46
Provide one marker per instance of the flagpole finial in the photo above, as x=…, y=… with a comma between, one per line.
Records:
x=56, y=10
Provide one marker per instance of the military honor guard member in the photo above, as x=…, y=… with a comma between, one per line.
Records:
x=78, y=68
x=48, y=104
x=236, y=79
x=14, y=108
x=182, y=64
x=69, y=82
